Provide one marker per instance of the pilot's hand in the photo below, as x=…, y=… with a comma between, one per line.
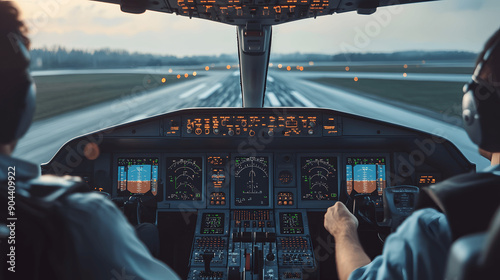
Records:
x=485, y=154
x=339, y=221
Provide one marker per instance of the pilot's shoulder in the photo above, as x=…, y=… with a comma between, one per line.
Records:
x=428, y=221
x=71, y=191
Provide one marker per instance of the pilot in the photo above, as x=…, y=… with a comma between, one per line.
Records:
x=419, y=248
x=105, y=245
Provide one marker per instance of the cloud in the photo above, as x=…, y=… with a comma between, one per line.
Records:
x=452, y=24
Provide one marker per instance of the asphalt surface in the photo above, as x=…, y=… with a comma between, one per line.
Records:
x=222, y=89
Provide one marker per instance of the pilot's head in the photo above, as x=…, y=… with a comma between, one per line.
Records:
x=481, y=101
x=17, y=91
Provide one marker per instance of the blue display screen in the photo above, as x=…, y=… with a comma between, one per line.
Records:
x=137, y=176
x=365, y=175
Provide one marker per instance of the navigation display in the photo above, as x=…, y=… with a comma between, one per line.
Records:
x=365, y=175
x=212, y=223
x=251, y=181
x=137, y=176
x=319, y=180
x=184, y=178
x=291, y=223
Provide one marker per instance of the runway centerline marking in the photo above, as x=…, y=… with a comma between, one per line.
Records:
x=273, y=99
x=302, y=99
x=209, y=92
x=192, y=91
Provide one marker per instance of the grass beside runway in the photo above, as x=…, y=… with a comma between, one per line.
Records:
x=441, y=97
x=60, y=94
x=418, y=68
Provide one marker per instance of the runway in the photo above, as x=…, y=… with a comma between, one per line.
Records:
x=222, y=89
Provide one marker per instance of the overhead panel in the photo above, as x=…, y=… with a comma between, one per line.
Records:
x=267, y=12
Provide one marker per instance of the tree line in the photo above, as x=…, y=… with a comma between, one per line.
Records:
x=62, y=58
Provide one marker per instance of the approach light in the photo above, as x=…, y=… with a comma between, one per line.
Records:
x=186, y=75
x=297, y=67
x=347, y=68
x=178, y=76
x=163, y=80
x=288, y=68
x=405, y=66
x=279, y=66
x=301, y=68
x=404, y=75
x=228, y=67
x=170, y=70
x=311, y=63
x=194, y=73
x=270, y=65
x=356, y=79
x=207, y=68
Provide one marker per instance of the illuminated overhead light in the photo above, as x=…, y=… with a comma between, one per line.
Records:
x=186, y=75
x=288, y=68
x=194, y=73
x=163, y=80
x=405, y=66
x=404, y=75
x=356, y=79
x=228, y=67
x=207, y=68
x=178, y=76
x=279, y=66
x=347, y=69
x=311, y=63
x=170, y=70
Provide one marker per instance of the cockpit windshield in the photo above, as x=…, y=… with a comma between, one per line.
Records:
x=95, y=66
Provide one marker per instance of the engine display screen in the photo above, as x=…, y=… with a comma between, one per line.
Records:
x=319, y=180
x=138, y=176
x=291, y=223
x=365, y=175
x=212, y=223
x=251, y=181
x=428, y=179
x=184, y=178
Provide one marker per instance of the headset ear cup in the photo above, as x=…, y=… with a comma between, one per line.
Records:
x=471, y=117
x=27, y=112
x=17, y=99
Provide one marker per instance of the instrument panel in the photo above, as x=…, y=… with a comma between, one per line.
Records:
x=229, y=180
x=249, y=187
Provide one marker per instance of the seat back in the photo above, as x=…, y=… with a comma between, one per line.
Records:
x=476, y=256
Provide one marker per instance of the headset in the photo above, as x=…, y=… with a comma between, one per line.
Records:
x=17, y=90
x=481, y=107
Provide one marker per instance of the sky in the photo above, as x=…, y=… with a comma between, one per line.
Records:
x=442, y=25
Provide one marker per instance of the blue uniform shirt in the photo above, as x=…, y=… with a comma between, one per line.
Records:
x=106, y=245
x=417, y=250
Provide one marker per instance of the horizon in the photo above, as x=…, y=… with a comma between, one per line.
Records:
x=56, y=48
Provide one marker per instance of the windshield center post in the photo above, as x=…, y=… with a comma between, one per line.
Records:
x=254, y=48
